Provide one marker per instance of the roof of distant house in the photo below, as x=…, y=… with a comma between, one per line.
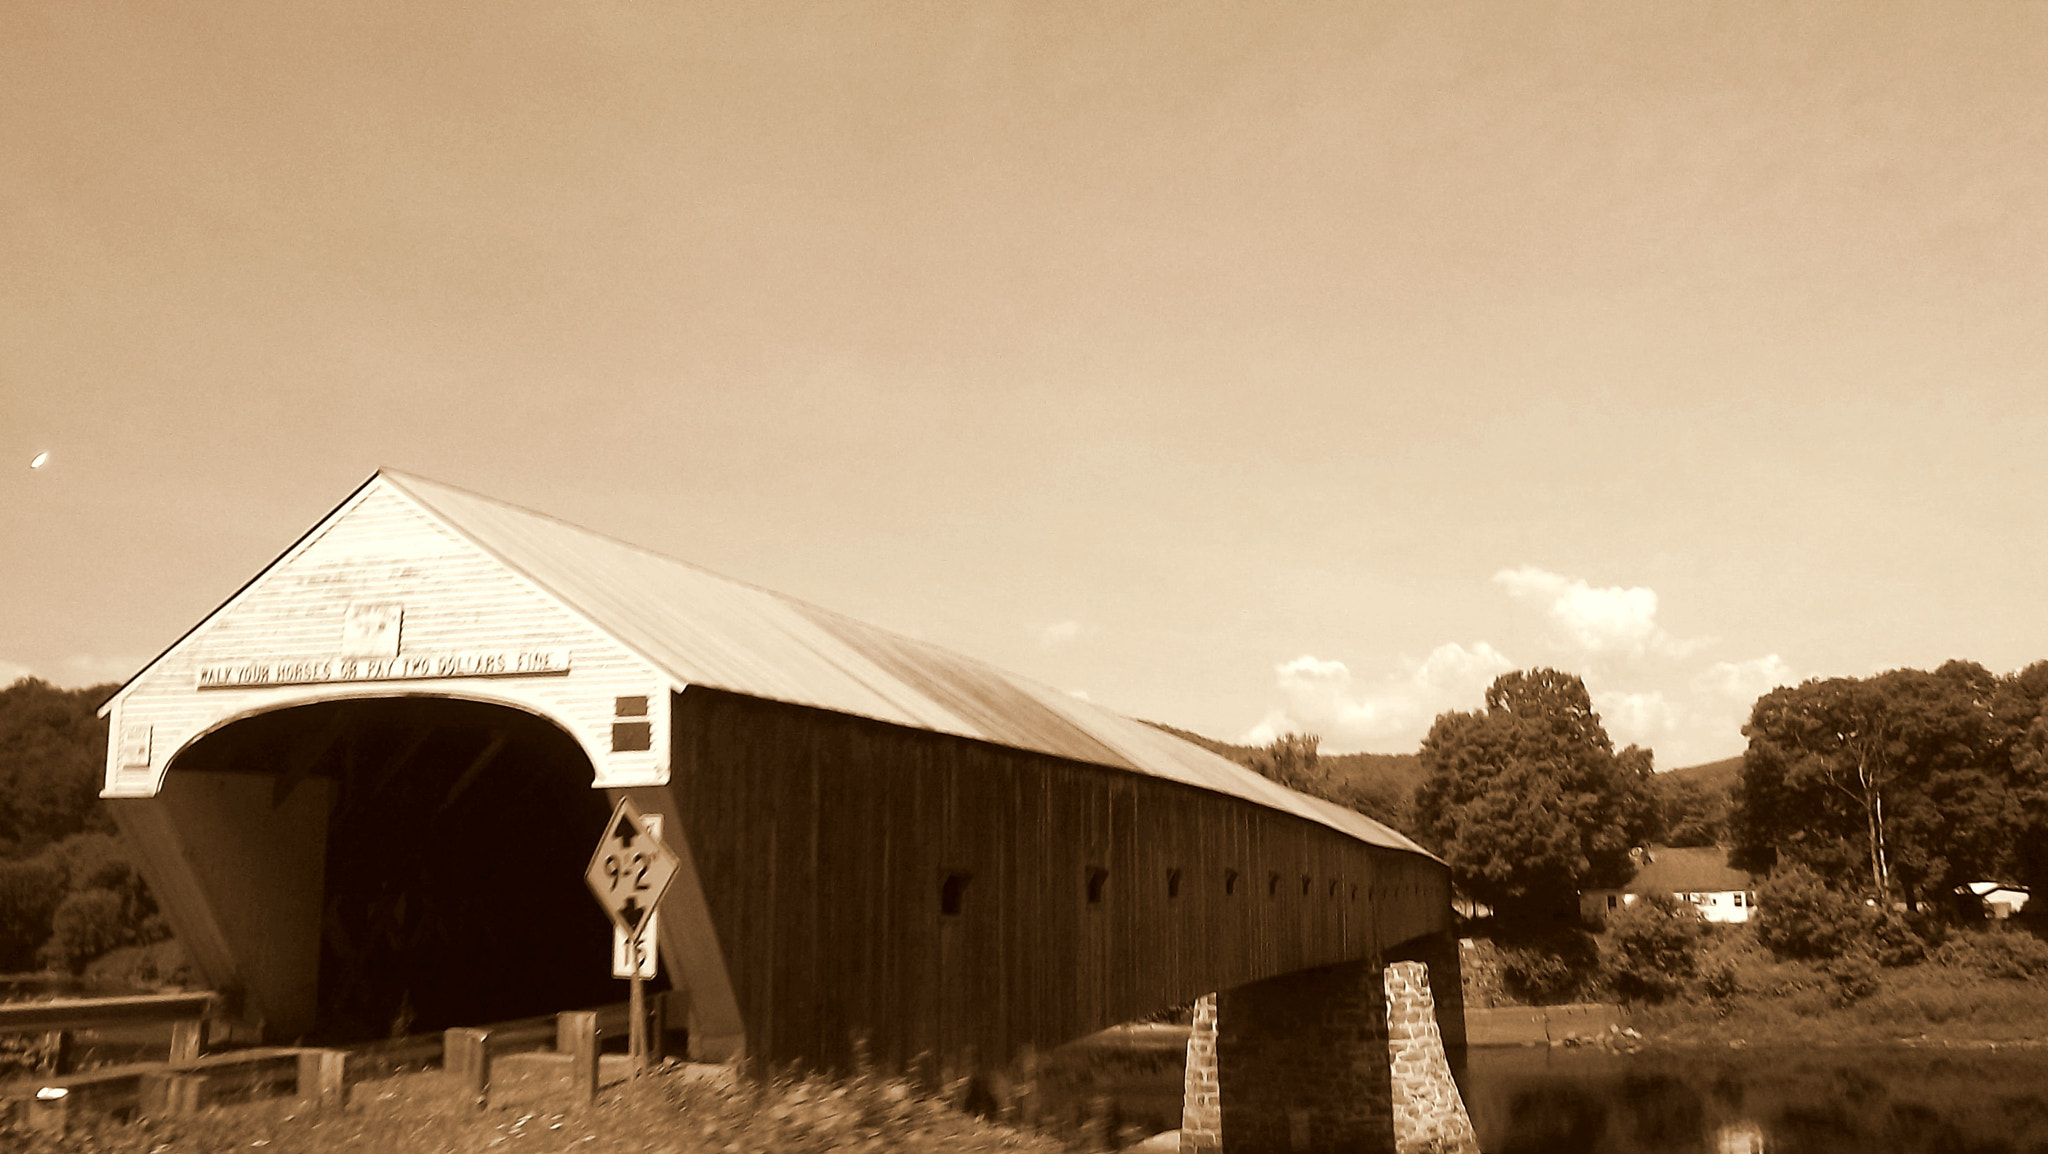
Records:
x=1702, y=869
x=1986, y=889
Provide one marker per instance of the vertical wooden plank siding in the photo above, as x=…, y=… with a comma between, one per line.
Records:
x=823, y=841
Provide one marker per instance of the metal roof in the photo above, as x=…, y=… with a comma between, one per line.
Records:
x=703, y=629
x=1688, y=869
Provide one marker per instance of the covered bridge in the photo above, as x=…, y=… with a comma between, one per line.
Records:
x=365, y=787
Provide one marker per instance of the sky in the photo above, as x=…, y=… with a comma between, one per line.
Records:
x=1245, y=368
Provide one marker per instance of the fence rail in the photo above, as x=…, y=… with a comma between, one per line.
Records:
x=93, y=1013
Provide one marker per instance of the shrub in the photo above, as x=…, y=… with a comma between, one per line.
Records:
x=29, y=893
x=151, y=964
x=87, y=923
x=1798, y=916
x=1656, y=943
x=1721, y=983
x=2011, y=956
x=1897, y=939
x=1852, y=976
x=1547, y=966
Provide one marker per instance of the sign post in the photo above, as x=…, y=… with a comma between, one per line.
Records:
x=630, y=871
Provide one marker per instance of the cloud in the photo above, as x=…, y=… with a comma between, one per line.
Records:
x=1321, y=697
x=1079, y=695
x=1063, y=633
x=1646, y=719
x=1594, y=621
x=1650, y=688
x=1745, y=681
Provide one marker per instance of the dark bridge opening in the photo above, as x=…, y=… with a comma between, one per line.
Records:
x=456, y=838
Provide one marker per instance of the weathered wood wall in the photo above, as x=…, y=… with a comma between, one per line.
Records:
x=823, y=842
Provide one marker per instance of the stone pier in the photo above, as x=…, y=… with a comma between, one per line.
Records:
x=1340, y=1058
x=1429, y=1114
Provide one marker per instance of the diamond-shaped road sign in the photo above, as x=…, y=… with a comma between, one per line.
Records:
x=630, y=870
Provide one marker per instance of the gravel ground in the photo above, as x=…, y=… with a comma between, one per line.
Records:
x=668, y=1111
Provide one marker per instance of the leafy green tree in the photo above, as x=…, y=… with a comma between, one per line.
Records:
x=1656, y=945
x=87, y=924
x=29, y=894
x=52, y=757
x=1689, y=813
x=1905, y=783
x=1528, y=801
x=1798, y=916
x=1292, y=761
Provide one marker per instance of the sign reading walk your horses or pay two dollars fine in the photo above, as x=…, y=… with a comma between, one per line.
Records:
x=630, y=871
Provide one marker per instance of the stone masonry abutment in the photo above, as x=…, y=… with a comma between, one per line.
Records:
x=1340, y=1058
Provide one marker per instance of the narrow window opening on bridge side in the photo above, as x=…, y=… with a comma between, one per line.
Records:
x=1354, y=892
x=1097, y=878
x=953, y=893
x=1334, y=887
x=1173, y=883
x=1306, y=881
x=1273, y=885
x=1230, y=883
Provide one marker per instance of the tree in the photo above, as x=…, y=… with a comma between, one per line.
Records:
x=1798, y=916
x=1656, y=943
x=52, y=756
x=1528, y=801
x=1902, y=783
x=1690, y=814
x=1291, y=760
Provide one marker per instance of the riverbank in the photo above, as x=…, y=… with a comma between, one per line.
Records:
x=1918, y=1005
x=1740, y=995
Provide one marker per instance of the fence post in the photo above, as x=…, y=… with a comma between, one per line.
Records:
x=61, y=1057
x=323, y=1079
x=466, y=1056
x=656, y=1025
x=188, y=1041
x=50, y=1111
x=576, y=1036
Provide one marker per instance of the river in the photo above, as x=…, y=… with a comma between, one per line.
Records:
x=1759, y=1101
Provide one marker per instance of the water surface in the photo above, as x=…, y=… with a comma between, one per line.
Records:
x=1759, y=1101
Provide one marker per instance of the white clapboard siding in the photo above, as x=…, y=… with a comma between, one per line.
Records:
x=382, y=546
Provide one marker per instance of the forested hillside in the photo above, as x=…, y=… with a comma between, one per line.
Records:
x=68, y=894
x=1379, y=785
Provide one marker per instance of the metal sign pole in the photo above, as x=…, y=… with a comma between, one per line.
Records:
x=636, y=1011
x=628, y=874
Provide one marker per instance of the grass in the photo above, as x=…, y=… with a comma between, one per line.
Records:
x=1795, y=1003
x=663, y=1112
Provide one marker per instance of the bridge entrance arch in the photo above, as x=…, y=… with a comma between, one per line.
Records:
x=372, y=865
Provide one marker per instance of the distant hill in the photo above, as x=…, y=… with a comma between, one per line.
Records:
x=1712, y=776
x=1379, y=785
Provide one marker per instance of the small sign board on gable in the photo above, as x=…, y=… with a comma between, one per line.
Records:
x=371, y=629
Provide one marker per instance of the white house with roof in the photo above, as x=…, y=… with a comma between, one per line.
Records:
x=1697, y=875
x=2000, y=901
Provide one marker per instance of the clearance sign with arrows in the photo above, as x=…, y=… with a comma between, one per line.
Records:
x=629, y=872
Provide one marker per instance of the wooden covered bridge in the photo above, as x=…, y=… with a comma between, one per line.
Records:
x=364, y=790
